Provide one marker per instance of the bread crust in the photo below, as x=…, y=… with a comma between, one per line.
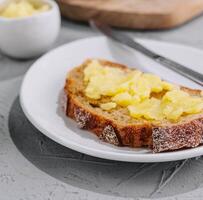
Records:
x=167, y=137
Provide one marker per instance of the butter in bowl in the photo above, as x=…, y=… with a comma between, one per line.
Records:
x=28, y=28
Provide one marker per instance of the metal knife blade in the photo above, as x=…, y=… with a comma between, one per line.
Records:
x=126, y=40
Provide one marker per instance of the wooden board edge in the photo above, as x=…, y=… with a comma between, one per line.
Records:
x=130, y=20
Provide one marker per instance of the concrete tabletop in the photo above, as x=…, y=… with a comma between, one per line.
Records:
x=33, y=167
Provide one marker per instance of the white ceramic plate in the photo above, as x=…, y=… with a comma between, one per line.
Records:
x=45, y=79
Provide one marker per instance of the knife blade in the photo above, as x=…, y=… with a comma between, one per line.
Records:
x=167, y=62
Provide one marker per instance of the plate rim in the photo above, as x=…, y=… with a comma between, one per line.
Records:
x=157, y=157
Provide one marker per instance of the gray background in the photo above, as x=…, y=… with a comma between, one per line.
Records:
x=34, y=167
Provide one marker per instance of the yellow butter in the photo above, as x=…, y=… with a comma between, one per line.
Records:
x=23, y=8
x=154, y=82
x=108, y=106
x=123, y=99
x=167, y=86
x=134, y=90
x=175, y=103
x=149, y=109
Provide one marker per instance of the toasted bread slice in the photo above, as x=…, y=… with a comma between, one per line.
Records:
x=118, y=128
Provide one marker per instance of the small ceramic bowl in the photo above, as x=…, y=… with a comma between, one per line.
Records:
x=31, y=36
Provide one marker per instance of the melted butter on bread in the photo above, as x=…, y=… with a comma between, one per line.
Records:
x=133, y=89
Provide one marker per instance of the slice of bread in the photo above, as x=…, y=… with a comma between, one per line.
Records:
x=119, y=128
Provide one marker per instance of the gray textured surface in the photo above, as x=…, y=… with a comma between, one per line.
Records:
x=34, y=167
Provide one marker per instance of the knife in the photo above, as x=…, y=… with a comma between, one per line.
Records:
x=126, y=40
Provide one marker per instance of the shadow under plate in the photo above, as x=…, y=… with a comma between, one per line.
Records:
x=100, y=175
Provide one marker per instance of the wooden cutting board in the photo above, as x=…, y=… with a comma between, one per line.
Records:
x=136, y=14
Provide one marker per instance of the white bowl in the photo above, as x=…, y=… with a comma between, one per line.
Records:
x=31, y=36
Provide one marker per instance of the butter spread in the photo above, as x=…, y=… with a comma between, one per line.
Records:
x=23, y=8
x=108, y=106
x=144, y=95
